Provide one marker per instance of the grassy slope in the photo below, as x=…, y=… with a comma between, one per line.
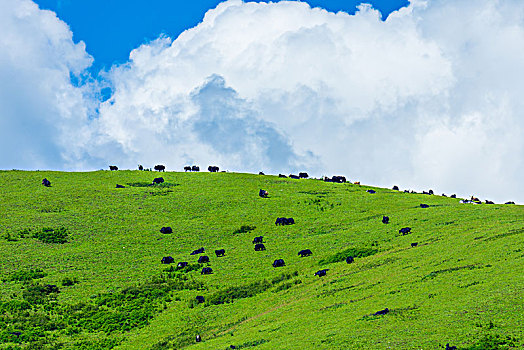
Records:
x=466, y=272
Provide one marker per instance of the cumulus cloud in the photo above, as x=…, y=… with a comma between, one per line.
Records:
x=428, y=98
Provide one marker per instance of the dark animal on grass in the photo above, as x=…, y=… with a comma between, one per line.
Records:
x=321, y=273
x=261, y=173
x=405, y=230
x=158, y=180
x=453, y=196
x=263, y=193
x=140, y=167
x=279, y=263
x=337, y=179
x=395, y=188
x=259, y=239
x=259, y=247
x=166, y=230
x=198, y=339
x=431, y=192
x=113, y=167
x=424, y=206
x=381, y=312
x=448, y=347
x=489, y=202
x=206, y=271
x=187, y=168
x=406, y=191
x=444, y=195
x=168, y=260
x=213, y=169
x=281, y=175
x=303, y=175
x=305, y=252
x=159, y=167
x=203, y=259
x=371, y=191
x=200, y=299
x=181, y=264
x=509, y=203
x=475, y=199
x=350, y=259
x=291, y=176
x=198, y=251
x=284, y=221
x=195, y=168
x=46, y=182
x=414, y=245
x=385, y=219
x=119, y=186
x=220, y=252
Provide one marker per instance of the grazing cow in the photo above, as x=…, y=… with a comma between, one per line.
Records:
x=168, y=260
x=259, y=239
x=475, y=199
x=424, y=206
x=444, y=195
x=371, y=191
x=448, y=347
x=406, y=191
x=350, y=259
x=395, y=188
x=158, y=180
x=381, y=312
x=220, y=252
x=140, y=167
x=181, y=264
x=261, y=173
x=356, y=182
x=119, y=186
x=259, y=247
x=159, y=167
x=195, y=168
x=509, y=203
x=338, y=179
x=291, y=176
x=281, y=175
x=284, y=221
x=187, y=168
x=304, y=252
x=413, y=245
x=198, y=251
x=405, y=230
x=198, y=339
x=166, y=230
x=489, y=202
x=453, y=196
x=321, y=273
x=213, y=169
x=46, y=182
x=200, y=299
x=303, y=175
x=206, y=271
x=385, y=219
x=113, y=167
x=279, y=263
x=203, y=259
x=263, y=193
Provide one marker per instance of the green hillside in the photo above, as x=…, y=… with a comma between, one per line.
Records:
x=105, y=287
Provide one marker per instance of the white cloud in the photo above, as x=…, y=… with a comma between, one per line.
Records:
x=429, y=98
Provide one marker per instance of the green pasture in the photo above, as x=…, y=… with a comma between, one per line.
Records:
x=462, y=284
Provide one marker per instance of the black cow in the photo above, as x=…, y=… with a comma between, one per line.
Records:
x=200, y=299
x=203, y=259
x=338, y=179
x=291, y=176
x=263, y=193
x=489, y=202
x=509, y=203
x=321, y=273
x=413, y=245
x=140, y=167
x=385, y=219
x=168, y=260
x=119, y=186
x=166, y=230
x=198, y=339
x=187, y=168
x=453, y=196
x=213, y=169
x=198, y=251
x=424, y=206
x=158, y=180
x=281, y=175
x=279, y=221
x=284, y=221
x=220, y=252
x=350, y=259
x=195, y=168
x=371, y=191
x=261, y=173
x=206, y=271
x=448, y=347
x=304, y=252
x=289, y=221
x=381, y=312
x=430, y=192
x=303, y=175
x=159, y=167
x=113, y=167
x=279, y=263
x=395, y=188
x=46, y=182
x=259, y=247
x=259, y=239
x=405, y=230
x=181, y=264
x=444, y=195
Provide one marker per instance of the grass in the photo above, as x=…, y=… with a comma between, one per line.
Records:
x=81, y=265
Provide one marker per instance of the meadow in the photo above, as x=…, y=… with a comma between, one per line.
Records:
x=81, y=265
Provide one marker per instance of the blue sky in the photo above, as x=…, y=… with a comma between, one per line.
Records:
x=112, y=28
